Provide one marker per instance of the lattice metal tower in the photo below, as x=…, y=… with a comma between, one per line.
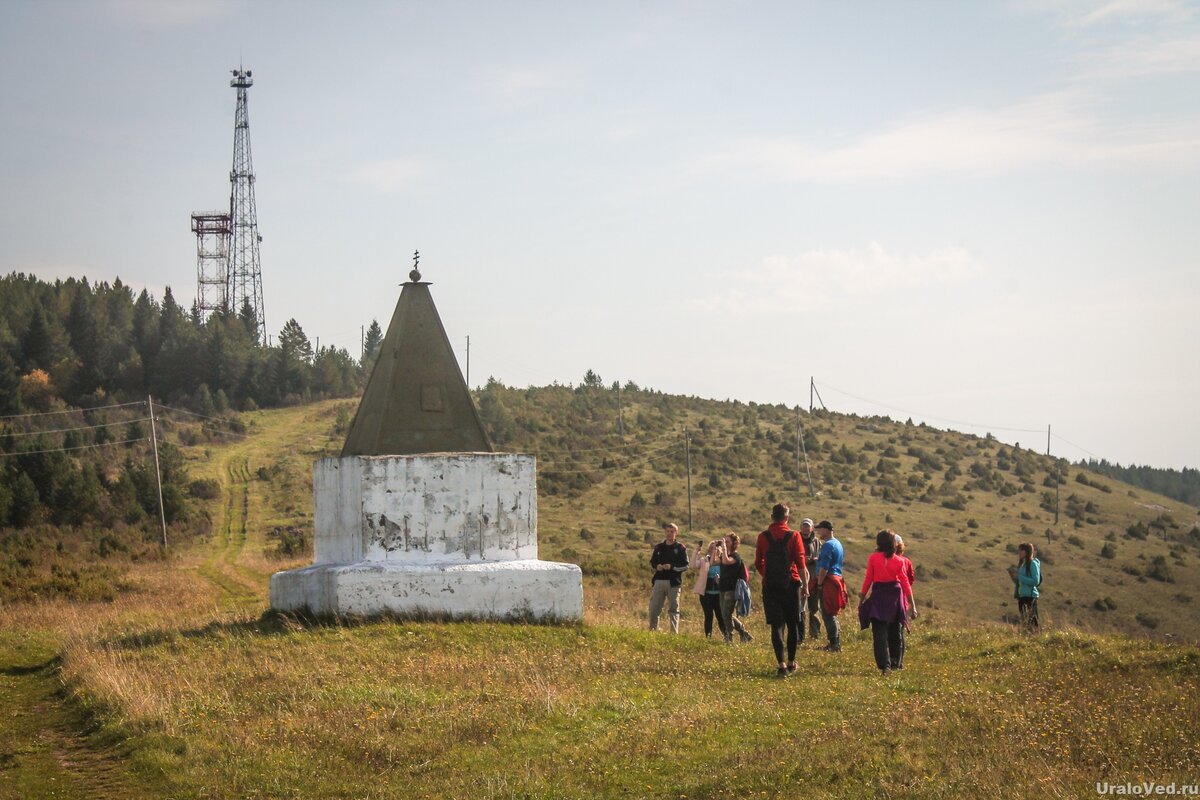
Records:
x=212, y=229
x=245, y=272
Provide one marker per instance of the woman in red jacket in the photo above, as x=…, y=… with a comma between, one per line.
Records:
x=887, y=602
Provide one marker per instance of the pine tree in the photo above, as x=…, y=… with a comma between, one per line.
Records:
x=295, y=357
x=249, y=321
x=10, y=385
x=371, y=345
x=37, y=345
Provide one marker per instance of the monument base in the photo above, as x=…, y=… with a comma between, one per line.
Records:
x=521, y=589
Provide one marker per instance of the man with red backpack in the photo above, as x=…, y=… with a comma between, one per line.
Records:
x=779, y=559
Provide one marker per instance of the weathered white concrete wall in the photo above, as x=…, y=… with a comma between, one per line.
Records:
x=337, y=511
x=509, y=589
x=426, y=509
x=448, y=534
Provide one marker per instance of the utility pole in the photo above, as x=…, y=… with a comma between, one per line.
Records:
x=801, y=448
x=162, y=515
x=620, y=413
x=687, y=458
x=1047, y=439
x=468, y=362
x=812, y=389
x=1057, y=481
x=799, y=445
x=362, y=343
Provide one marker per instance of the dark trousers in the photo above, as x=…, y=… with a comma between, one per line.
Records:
x=711, y=603
x=888, y=643
x=782, y=608
x=814, y=609
x=1027, y=606
x=832, y=629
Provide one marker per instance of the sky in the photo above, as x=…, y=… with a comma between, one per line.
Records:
x=984, y=215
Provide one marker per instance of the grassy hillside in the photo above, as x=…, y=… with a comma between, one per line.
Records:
x=181, y=685
x=1118, y=558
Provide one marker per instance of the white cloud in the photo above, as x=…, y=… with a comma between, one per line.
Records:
x=1142, y=57
x=1057, y=128
x=517, y=86
x=158, y=14
x=390, y=175
x=1123, y=10
x=824, y=275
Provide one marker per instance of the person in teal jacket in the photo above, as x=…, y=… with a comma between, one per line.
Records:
x=1026, y=577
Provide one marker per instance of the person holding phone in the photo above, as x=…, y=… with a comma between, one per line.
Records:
x=707, y=564
x=733, y=569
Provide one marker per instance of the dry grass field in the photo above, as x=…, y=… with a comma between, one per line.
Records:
x=184, y=685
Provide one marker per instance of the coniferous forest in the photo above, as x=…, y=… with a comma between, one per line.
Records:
x=78, y=361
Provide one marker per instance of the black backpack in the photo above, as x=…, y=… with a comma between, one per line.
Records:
x=777, y=572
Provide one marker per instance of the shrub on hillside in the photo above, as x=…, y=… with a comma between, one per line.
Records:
x=1137, y=531
x=205, y=488
x=290, y=542
x=1108, y=551
x=1159, y=571
x=1149, y=620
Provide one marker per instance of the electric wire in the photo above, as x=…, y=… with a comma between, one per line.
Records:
x=66, y=449
x=1072, y=444
x=73, y=410
x=930, y=416
x=15, y=434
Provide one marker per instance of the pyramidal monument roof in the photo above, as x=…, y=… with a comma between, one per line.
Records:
x=416, y=399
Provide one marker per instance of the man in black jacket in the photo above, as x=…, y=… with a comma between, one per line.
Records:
x=669, y=560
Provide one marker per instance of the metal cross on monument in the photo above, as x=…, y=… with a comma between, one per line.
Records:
x=415, y=275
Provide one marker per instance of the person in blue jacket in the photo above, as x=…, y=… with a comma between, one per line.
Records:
x=1026, y=577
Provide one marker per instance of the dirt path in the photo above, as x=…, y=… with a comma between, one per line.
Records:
x=237, y=587
x=44, y=748
x=48, y=747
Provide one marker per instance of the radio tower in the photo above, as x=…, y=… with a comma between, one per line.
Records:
x=245, y=273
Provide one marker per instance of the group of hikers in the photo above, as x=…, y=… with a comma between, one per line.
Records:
x=801, y=574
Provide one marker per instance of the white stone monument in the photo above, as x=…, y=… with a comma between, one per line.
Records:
x=406, y=524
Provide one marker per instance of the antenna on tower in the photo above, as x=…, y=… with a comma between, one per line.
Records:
x=228, y=270
x=245, y=270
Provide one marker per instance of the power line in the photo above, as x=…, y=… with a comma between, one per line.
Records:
x=930, y=416
x=65, y=449
x=81, y=428
x=194, y=414
x=204, y=427
x=74, y=410
x=1072, y=444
